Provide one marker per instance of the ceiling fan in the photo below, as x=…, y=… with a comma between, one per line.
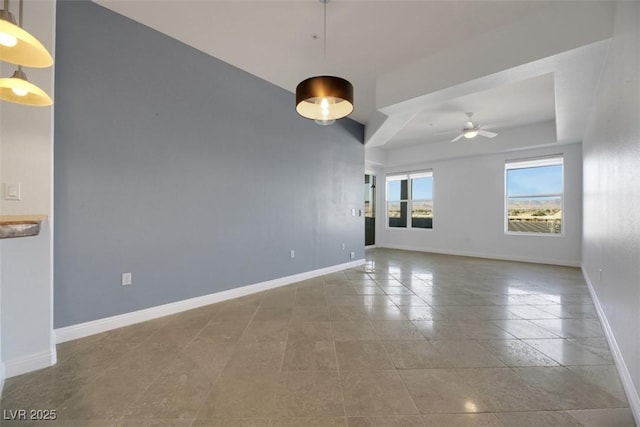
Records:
x=471, y=130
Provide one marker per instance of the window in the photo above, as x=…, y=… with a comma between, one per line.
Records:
x=534, y=196
x=410, y=200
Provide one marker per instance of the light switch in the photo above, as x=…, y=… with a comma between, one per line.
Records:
x=12, y=192
x=353, y=212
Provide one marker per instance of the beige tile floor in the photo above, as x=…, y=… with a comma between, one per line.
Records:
x=407, y=340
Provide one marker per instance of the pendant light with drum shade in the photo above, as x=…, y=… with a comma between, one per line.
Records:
x=19, y=47
x=324, y=98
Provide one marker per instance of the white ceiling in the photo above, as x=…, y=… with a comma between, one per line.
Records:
x=380, y=46
x=516, y=104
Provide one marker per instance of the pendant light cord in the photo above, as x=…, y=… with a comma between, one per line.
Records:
x=19, y=22
x=324, y=37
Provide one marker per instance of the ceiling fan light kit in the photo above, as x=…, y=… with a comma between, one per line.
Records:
x=19, y=47
x=470, y=133
x=471, y=130
x=324, y=98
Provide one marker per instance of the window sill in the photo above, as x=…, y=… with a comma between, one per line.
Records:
x=518, y=233
x=409, y=228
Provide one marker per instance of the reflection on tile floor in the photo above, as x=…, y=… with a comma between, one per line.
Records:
x=409, y=339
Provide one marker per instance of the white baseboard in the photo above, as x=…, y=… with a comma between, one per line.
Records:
x=551, y=261
x=623, y=371
x=31, y=362
x=81, y=330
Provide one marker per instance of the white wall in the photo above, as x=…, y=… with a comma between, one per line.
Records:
x=26, y=157
x=2, y=371
x=469, y=210
x=612, y=198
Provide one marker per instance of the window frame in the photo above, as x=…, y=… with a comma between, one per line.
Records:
x=528, y=163
x=408, y=176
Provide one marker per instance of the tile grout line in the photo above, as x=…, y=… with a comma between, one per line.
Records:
x=157, y=378
x=402, y=380
x=339, y=371
x=215, y=381
x=284, y=354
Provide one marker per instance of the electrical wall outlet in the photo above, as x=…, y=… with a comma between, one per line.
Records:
x=292, y=254
x=126, y=279
x=352, y=255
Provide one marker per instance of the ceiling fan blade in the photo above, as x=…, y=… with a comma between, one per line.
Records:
x=486, y=133
x=457, y=138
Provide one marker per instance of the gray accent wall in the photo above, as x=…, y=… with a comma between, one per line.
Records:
x=189, y=173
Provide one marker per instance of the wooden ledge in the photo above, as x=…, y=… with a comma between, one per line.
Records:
x=20, y=225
